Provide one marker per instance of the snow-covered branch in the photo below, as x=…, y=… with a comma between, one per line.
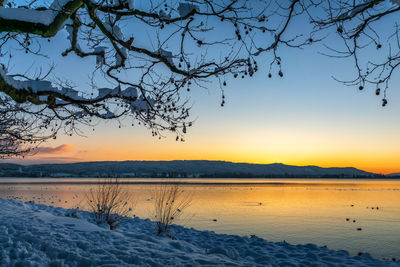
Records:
x=43, y=21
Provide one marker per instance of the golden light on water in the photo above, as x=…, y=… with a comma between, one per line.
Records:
x=298, y=211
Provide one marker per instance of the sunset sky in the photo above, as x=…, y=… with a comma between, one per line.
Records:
x=304, y=118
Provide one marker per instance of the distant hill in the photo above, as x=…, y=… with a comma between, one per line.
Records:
x=177, y=169
x=396, y=174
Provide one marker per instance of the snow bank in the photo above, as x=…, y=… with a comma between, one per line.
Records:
x=39, y=235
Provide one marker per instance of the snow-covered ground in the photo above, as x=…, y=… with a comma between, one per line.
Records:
x=39, y=235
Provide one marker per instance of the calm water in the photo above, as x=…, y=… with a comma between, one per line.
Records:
x=298, y=211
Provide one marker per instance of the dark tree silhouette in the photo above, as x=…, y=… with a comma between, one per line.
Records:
x=369, y=32
x=152, y=53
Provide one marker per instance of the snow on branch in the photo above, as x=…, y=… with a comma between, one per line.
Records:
x=45, y=89
x=395, y=2
x=186, y=8
x=45, y=22
x=45, y=17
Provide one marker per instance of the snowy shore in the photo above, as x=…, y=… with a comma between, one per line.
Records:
x=39, y=235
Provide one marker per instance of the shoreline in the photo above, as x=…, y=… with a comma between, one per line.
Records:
x=46, y=235
x=8, y=181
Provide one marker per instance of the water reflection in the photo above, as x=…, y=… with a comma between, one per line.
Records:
x=359, y=216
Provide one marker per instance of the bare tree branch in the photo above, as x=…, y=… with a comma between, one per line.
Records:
x=190, y=43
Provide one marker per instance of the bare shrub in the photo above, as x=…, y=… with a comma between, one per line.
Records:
x=170, y=200
x=109, y=202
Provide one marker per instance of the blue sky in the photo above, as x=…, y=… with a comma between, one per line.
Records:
x=303, y=118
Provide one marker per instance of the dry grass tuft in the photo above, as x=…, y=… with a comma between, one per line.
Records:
x=170, y=201
x=109, y=202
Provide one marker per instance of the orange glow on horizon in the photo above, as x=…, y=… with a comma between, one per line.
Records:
x=302, y=148
x=385, y=167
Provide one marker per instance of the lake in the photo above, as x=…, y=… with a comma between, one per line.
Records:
x=327, y=212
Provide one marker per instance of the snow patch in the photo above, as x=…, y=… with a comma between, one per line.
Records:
x=129, y=3
x=168, y=55
x=113, y=28
x=130, y=92
x=186, y=8
x=58, y=5
x=100, y=58
x=356, y=9
x=118, y=58
x=44, y=17
x=164, y=15
x=395, y=2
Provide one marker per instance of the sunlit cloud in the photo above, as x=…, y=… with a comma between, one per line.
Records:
x=64, y=148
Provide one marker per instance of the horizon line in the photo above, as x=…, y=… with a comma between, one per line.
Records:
x=251, y=163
